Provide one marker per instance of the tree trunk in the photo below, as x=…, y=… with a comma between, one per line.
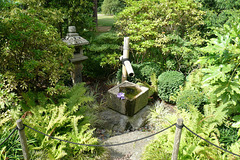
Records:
x=95, y=11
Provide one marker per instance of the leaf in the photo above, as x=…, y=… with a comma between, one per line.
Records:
x=235, y=86
x=236, y=118
x=236, y=125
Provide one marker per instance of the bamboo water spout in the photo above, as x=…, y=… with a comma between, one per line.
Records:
x=126, y=67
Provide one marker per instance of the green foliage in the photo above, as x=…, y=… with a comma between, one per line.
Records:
x=169, y=84
x=112, y=7
x=219, y=12
x=11, y=149
x=8, y=99
x=162, y=31
x=33, y=53
x=188, y=98
x=59, y=122
x=228, y=135
x=191, y=147
x=67, y=121
x=103, y=55
x=61, y=13
x=143, y=72
x=221, y=67
x=237, y=123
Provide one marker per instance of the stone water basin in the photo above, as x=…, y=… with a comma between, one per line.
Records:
x=131, y=103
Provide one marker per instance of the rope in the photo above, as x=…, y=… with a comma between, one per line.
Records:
x=9, y=135
x=105, y=145
x=210, y=142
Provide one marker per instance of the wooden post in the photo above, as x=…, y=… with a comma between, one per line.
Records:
x=23, y=139
x=177, y=139
x=125, y=55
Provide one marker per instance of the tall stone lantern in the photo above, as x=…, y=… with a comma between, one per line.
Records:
x=77, y=41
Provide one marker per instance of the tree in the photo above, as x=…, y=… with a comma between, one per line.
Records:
x=95, y=8
x=162, y=31
x=219, y=12
x=112, y=7
x=63, y=13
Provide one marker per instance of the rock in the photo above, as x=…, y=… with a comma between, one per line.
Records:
x=140, y=118
x=170, y=107
x=112, y=120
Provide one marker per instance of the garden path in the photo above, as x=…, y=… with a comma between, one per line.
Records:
x=131, y=151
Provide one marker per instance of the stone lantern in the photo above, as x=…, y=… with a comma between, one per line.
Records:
x=77, y=41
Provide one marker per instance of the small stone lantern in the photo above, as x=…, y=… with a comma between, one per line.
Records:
x=77, y=41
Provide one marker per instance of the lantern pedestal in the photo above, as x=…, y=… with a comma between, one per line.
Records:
x=73, y=39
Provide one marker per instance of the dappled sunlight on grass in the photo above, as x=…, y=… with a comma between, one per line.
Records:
x=105, y=20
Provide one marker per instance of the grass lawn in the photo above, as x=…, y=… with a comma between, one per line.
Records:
x=105, y=20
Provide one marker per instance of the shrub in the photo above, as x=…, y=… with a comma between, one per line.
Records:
x=33, y=52
x=8, y=99
x=220, y=67
x=188, y=98
x=143, y=72
x=103, y=55
x=169, y=83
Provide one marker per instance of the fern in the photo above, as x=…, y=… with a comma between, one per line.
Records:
x=57, y=121
x=191, y=146
x=65, y=121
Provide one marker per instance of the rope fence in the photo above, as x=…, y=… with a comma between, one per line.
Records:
x=103, y=145
x=179, y=125
x=9, y=135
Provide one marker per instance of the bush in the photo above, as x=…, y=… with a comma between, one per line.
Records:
x=169, y=83
x=8, y=99
x=103, y=55
x=188, y=98
x=33, y=53
x=143, y=72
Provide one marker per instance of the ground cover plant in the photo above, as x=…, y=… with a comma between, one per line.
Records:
x=68, y=119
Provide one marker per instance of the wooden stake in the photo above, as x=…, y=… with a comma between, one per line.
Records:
x=125, y=55
x=23, y=139
x=177, y=139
